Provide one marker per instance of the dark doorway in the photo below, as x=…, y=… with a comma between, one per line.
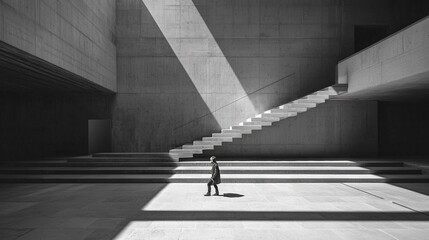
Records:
x=365, y=36
x=99, y=135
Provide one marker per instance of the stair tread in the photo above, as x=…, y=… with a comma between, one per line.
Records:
x=253, y=168
x=142, y=154
x=206, y=176
x=244, y=162
x=111, y=158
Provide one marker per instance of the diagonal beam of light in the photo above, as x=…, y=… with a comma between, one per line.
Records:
x=201, y=57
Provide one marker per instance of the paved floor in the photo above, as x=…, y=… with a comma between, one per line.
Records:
x=245, y=211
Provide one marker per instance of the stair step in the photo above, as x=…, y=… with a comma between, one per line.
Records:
x=249, y=127
x=242, y=131
x=288, y=110
x=256, y=123
x=330, y=92
x=178, y=156
x=119, y=159
x=208, y=147
x=265, y=119
x=151, y=155
x=93, y=164
x=298, y=105
x=313, y=96
x=182, y=156
x=233, y=135
x=218, y=139
x=225, y=162
x=202, y=178
x=206, y=170
x=214, y=143
x=181, y=150
x=279, y=115
x=312, y=100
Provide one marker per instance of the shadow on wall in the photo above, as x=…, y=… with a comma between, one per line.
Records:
x=403, y=128
x=36, y=125
x=264, y=41
x=203, y=60
x=156, y=96
x=179, y=64
x=333, y=129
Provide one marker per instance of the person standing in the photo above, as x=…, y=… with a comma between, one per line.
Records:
x=215, y=178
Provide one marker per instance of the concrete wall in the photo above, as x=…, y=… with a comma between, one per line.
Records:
x=403, y=128
x=35, y=125
x=160, y=104
x=337, y=128
x=408, y=12
x=77, y=35
x=399, y=61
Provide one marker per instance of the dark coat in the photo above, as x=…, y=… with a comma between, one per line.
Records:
x=215, y=174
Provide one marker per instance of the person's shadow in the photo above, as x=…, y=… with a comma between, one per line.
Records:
x=232, y=195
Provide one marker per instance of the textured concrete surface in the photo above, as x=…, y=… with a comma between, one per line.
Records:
x=159, y=106
x=76, y=35
x=395, y=66
x=335, y=128
x=243, y=211
x=164, y=102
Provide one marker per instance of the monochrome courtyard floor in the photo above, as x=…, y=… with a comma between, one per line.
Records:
x=242, y=211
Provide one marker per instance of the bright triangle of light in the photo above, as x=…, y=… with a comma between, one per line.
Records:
x=201, y=57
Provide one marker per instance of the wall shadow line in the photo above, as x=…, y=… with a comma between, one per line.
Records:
x=238, y=99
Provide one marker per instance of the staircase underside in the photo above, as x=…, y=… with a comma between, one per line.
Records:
x=160, y=168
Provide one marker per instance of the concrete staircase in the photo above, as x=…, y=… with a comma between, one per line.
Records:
x=165, y=167
x=258, y=122
x=161, y=168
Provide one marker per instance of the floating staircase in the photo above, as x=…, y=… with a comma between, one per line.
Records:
x=161, y=168
x=256, y=123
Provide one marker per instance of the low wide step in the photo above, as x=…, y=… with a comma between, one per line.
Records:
x=202, y=178
x=154, y=155
x=206, y=170
x=205, y=162
x=120, y=159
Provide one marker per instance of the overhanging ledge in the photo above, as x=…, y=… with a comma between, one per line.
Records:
x=397, y=66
